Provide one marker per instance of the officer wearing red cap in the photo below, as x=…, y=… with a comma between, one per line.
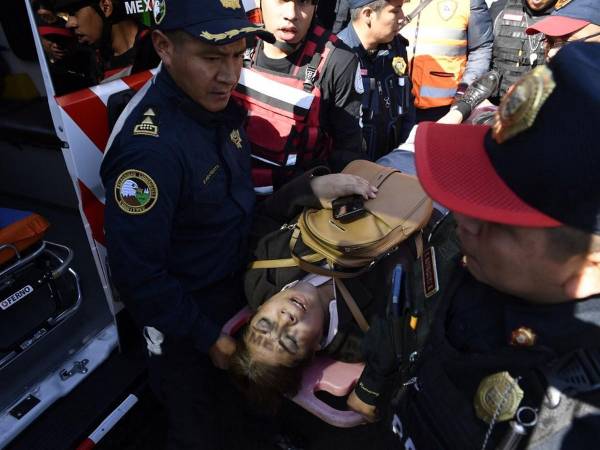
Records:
x=179, y=205
x=572, y=21
x=512, y=309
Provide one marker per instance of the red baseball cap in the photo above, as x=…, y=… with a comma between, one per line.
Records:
x=557, y=26
x=537, y=165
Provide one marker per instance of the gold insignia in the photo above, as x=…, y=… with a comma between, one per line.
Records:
x=236, y=138
x=211, y=173
x=521, y=104
x=446, y=9
x=562, y=3
x=498, y=397
x=228, y=34
x=135, y=192
x=523, y=337
x=233, y=4
x=399, y=65
x=147, y=127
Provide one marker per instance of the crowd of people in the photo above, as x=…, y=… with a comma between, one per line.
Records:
x=246, y=124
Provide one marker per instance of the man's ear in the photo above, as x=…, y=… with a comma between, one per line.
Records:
x=366, y=15
x=163, y=46
x=586, y=281
x=107, y=7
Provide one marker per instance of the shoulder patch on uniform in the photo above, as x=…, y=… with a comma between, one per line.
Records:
x=236, y=138
x=358, y=81
x=135, y=192
x=148, y=126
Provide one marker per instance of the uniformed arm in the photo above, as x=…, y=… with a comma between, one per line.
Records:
x=480, y=38
x=341, y=115
x=372, y=390
x=139, y=247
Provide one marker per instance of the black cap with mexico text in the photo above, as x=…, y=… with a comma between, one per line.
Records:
x=538, y=164
x=216, y=22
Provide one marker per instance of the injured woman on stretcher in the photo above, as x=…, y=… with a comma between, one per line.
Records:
x=298, y=314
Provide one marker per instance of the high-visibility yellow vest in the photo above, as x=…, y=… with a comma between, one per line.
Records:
x=437, y=50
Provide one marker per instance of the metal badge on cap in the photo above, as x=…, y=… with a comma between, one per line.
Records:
x=159, y=8
x=521, y=104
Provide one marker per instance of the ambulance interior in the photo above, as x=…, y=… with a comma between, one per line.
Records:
x=44, y=357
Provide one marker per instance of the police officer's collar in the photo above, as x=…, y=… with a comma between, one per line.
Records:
x=231, y=116
x=579, y=322
x=352, y=40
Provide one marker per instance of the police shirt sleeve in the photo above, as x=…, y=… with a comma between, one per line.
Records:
x=142, y=192
x=341, y=114
x=373, y=386
x=480, y=42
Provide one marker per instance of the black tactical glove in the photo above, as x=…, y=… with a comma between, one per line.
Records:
x=482, y=88
x=381, y=363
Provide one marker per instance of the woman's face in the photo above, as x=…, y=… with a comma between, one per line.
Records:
x=288, y=327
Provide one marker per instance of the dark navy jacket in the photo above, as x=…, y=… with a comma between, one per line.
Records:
x=388, y=112
x=176, y=264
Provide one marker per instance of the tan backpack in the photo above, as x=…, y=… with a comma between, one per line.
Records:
x=400, y=209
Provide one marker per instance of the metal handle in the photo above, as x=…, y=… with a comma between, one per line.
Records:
x=64, y=262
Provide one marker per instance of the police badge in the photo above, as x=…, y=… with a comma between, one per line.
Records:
x=399, y=65
x=521, y=104
x=497, y=398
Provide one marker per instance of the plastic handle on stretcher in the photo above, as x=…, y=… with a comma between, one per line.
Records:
x=324, y=374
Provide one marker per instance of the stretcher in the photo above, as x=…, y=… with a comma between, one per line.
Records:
x=323, y=374
x=38, y=288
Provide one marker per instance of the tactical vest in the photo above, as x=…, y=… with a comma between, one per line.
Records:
x=438, y=51
x=514, y=52
x=386, y=98
x=283, y=123
x=434, y=407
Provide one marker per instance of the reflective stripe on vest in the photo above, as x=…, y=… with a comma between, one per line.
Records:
x=438, y=51
x=283, y=123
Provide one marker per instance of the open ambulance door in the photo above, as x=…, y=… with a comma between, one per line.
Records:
x=51, y=146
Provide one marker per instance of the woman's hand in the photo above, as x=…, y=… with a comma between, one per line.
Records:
x=221, y=351
x=329, y=187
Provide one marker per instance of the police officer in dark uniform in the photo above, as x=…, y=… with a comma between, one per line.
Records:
x=179, y=203
x=388, y=113
x=514, y=52
x=511, y=309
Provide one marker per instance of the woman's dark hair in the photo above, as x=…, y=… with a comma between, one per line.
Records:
x=263, y=384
